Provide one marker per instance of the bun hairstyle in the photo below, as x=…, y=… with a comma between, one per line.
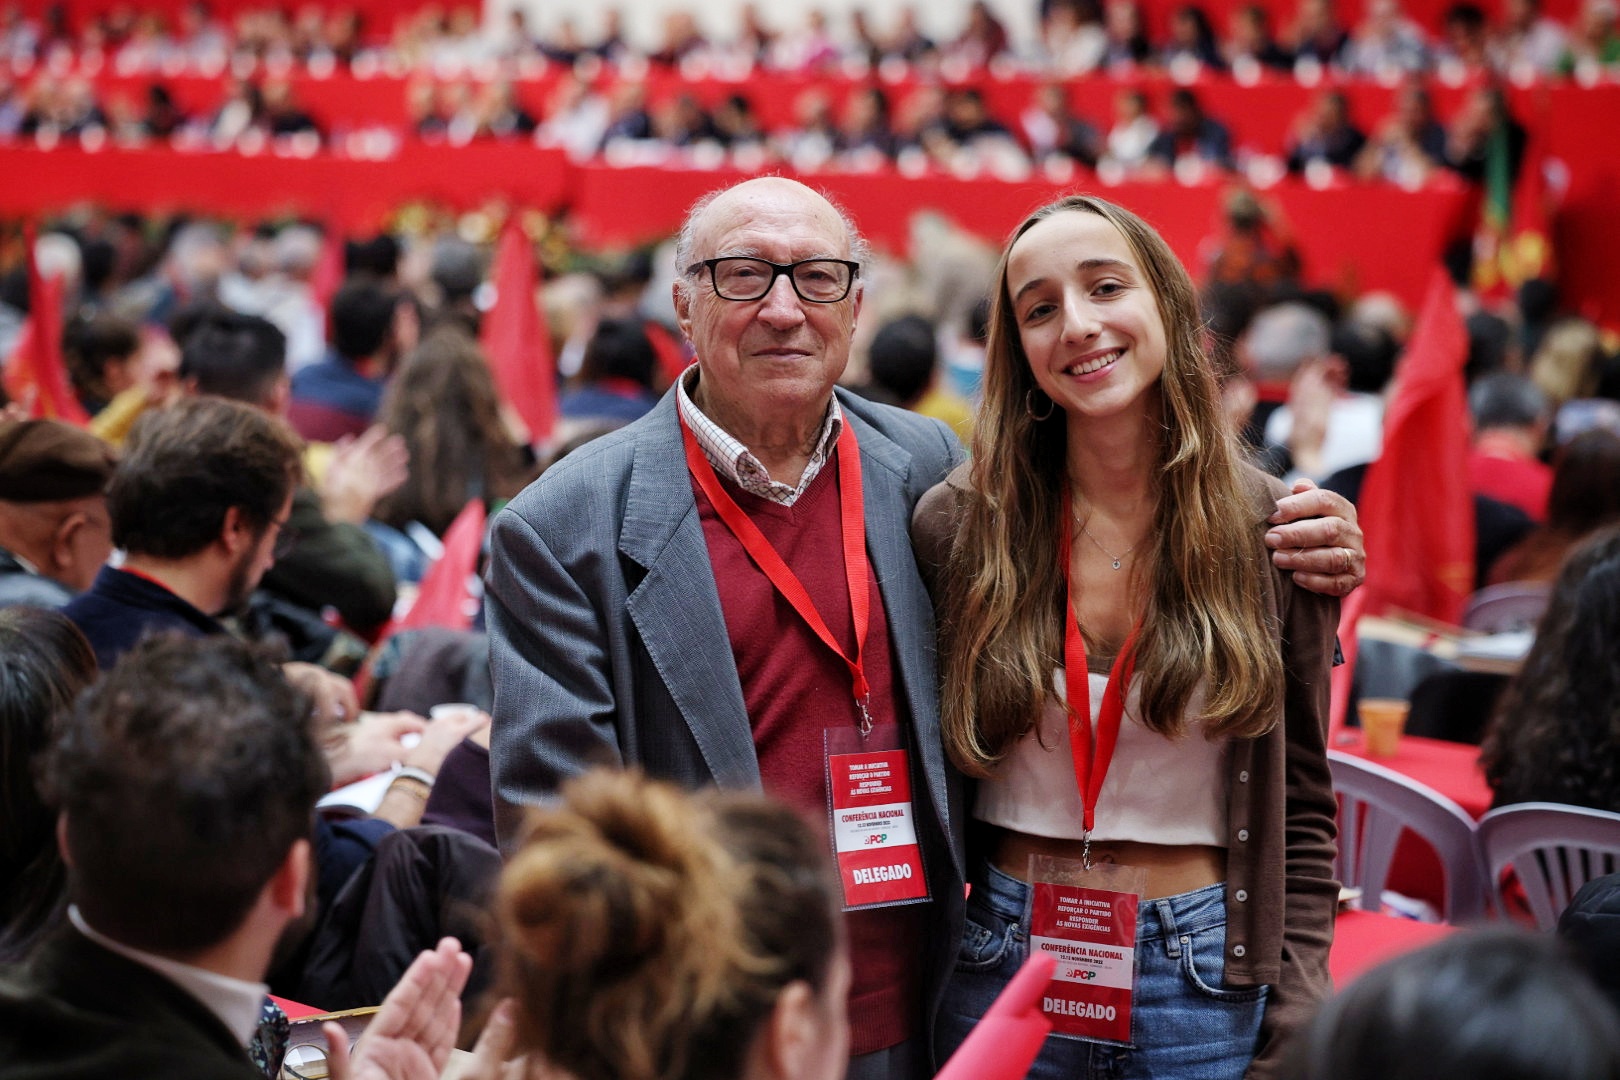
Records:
x=647, y=931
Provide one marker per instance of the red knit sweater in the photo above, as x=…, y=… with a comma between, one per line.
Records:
x=795, y=689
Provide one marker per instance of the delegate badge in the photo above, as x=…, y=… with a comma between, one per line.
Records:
x=873, y=821
x=1086, y=921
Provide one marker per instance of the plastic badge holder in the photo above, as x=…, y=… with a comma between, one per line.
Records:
x=1085, y=919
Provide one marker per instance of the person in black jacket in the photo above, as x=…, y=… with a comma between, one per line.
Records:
x=186, y=782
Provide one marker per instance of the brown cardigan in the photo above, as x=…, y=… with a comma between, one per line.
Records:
x=1281, y=895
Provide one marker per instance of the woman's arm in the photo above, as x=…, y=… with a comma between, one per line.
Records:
x=1310, y=901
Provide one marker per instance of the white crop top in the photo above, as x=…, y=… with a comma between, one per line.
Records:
x=1158, y=790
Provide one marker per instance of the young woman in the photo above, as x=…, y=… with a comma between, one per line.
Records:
x=651, y=934
x=1106, y=511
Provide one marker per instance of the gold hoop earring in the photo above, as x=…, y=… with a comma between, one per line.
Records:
x=1029, y=405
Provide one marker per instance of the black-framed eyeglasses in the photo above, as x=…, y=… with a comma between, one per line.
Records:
x=819, y=281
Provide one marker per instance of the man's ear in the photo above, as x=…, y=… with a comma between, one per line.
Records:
x=787, y=1040
x=683, y=308
x=288, y=889
x=62, y=839
x=280, y=395
x=1338, y=372
x=234, y=531
x=405, y=330
x=62, y=538
x=117, y=371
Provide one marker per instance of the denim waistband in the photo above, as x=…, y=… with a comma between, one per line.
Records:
x=1183, y=913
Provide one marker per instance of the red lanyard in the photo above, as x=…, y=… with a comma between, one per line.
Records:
x=1090, y=763
x=857, y=572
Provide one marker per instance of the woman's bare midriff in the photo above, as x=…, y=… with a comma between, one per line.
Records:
x=1171, y=868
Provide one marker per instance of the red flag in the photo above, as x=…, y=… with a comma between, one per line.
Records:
x=516, y=338
x=443, y=599
x=36, y=366
x=1004, y=1044
x=1416, y=507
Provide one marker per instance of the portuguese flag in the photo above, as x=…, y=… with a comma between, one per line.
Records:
x=1514, y=243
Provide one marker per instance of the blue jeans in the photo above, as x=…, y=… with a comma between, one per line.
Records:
x=1184, y=1024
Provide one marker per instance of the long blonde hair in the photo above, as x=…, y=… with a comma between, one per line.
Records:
x=1002, y=603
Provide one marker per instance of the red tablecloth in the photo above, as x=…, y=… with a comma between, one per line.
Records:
x=1365, y=939
x=1453, y=770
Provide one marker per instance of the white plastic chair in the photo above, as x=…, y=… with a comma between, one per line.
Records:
x=1376, y=804
x=1553, y=848
x=1511, y=605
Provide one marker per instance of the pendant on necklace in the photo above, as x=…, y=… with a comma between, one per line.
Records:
x=1113, y=560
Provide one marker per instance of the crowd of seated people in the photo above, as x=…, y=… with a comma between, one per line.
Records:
x=248, y=114
x=1072, y=37
x=1155, y=132
x=463, y=82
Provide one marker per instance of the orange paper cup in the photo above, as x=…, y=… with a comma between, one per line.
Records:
x=1382, y=722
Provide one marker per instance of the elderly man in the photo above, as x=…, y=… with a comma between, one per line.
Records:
x=54, y=529
x=724, y=592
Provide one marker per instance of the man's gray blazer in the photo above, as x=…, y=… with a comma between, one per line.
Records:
x=608, y=645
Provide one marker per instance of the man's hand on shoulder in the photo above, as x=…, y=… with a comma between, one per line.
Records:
x=1314, y=534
